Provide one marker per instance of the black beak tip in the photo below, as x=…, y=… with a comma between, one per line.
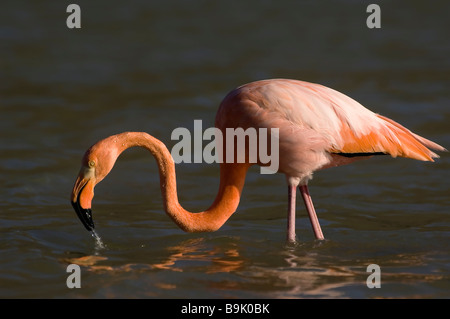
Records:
x=85, y=215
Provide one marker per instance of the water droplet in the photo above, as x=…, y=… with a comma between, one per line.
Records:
x=98, y=241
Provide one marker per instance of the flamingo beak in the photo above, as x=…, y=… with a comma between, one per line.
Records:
x=82, y=195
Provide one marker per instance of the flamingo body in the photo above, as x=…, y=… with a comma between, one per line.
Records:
x=318, y=128
x=316, y=123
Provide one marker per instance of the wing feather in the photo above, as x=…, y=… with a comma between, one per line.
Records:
x=346, y=124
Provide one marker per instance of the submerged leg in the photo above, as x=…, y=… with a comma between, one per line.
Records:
x=291, y=213
x=311, y=211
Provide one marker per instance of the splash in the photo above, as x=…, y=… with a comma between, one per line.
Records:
x=98, y=241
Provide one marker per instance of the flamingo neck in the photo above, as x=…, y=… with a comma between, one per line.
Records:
x=232, y=179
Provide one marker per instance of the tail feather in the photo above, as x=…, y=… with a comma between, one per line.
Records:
x=412, y=145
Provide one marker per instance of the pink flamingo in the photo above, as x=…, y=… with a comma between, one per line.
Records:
x=318, y=128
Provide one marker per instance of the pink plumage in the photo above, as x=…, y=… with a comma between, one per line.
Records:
x=319, y=128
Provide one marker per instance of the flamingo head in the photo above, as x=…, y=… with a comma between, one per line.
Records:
x=97, y=162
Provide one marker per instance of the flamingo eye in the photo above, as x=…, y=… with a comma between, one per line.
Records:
x=91, y=164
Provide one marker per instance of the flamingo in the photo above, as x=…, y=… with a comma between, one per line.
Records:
x=318, y=128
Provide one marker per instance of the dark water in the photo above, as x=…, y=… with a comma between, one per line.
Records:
x=157, y=65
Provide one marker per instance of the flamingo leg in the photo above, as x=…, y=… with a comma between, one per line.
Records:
x=311, y=211
x=291, y=213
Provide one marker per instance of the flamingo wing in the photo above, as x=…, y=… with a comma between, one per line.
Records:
x=347, y=127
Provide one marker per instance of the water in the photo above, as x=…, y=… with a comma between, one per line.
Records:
x=157, y=65
x=99, y=244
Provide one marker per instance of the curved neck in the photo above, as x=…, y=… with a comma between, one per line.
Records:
x=232, y=179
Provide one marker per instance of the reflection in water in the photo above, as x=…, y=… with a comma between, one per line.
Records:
x=304, y=274
x=218, y=259
x=311, y=276
x=86, y=261
x=292, y=272
x=189, y=255
x=215, y=260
